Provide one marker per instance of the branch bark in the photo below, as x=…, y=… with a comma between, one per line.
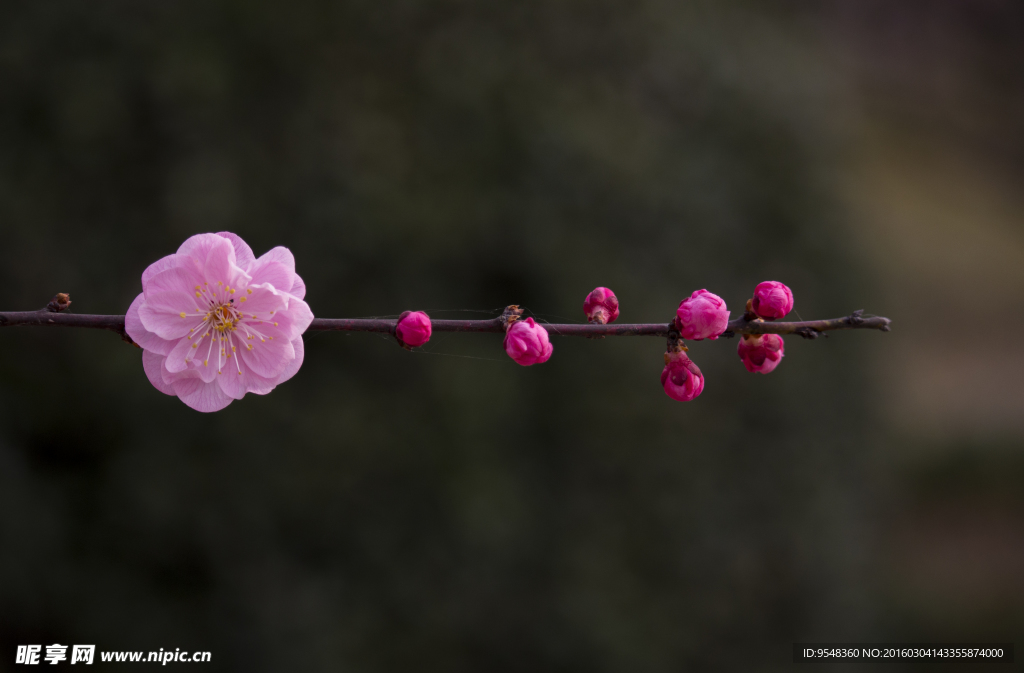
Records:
x=807, y=329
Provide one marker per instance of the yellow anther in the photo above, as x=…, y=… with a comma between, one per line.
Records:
x=239, y=373
x=243, y=298
x=232, y=291
x=248, y=291
x=219, y=283
x=197, y=287
x=182, y=314
x=197, y=294
x=220, y=372
x=275, y=324
x=206, y=363
x=194, y=345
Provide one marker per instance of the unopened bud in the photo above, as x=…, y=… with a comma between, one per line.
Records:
x=601, y=306
x=60, y=302
x=413, y=329
x=772, y=300
x=527, y=343
x=761, y=353
x=681, y=378
x=702, y=316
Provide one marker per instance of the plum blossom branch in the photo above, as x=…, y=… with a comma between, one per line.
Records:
x=808, y=329
x=743, y=325
x=213, y=309
x=216, y=323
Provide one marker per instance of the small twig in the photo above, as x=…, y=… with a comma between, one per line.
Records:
x=60, y=302
x=808, y=329
x=52, y=315
x=45, y=317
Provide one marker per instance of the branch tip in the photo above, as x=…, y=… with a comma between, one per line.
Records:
x=60, y=302
x=809, y=333
x=511, y=314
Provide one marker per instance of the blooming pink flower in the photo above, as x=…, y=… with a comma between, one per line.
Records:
x=526, y=342
x=413, y=328
x=702, y=316
x=772, y=300
x=761, y=353
x=681, y=378
x=601, y=306
x=216, y=323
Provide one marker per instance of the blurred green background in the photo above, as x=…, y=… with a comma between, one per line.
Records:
x=449, y=510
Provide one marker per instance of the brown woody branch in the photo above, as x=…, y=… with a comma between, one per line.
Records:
x=52, y=316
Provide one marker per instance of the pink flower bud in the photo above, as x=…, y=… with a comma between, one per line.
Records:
x=761, y=353
x=526, y=342
x=601, y=306
x=681, y=378
x=702, y=316
x=772, y=300
x=413, y=328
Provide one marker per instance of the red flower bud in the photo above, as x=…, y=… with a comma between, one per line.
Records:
x=702, y=316
x=681, y=378
x=761, y=353
x=526, y=342
x=601, y=306
x=413, y=328
x=772, y=300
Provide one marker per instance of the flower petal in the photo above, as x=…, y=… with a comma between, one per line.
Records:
x=208, y=360
x=153, y=364
x=287, y=324
x=277, y=267
x=267, y=358
x=179, y=278
x=293, y=366
x=169, y=315
x=202, y=362
x=198, y=247
x=161, y=264
x=236, y=384
x=298, y=288
x=238, y=379
x=273, y=273
x=279, y=326
x=220, y=265
x=140, y=335
x=183, y=353
x=264, y=299
x=200, y=395
x=244, y=256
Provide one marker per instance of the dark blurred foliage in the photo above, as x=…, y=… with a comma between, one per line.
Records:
x=445, y=510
